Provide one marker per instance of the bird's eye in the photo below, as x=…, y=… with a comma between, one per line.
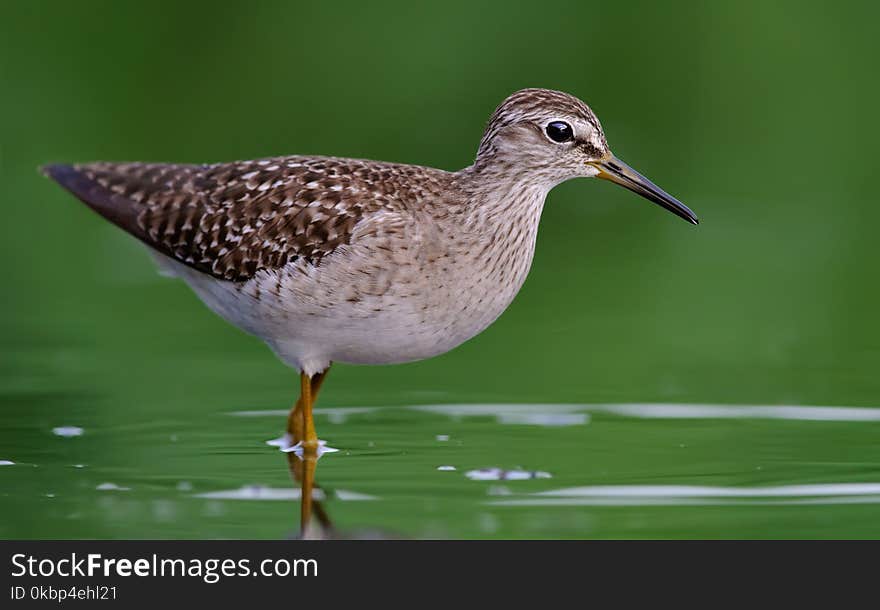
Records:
x=560, y=131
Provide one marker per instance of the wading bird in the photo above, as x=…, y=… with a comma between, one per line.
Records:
x=346, y=260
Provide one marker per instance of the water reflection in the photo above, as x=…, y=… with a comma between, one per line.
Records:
x=262, y=492
x=457, y=470
x=335, y=415
x=562, y=414
x=299, y=463
x=499, y=474
x=695, y=495
x=567, y=415
x=574, y=416
x=111, y=487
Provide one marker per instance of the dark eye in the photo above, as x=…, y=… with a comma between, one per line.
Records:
x=560, y=131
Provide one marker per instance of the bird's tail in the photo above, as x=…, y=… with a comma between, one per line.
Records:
x=116, y=208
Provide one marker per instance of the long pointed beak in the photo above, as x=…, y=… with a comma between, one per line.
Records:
x=617, y=171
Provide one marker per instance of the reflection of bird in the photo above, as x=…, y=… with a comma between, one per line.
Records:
x=330, y=259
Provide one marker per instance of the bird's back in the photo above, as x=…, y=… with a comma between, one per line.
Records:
x=231, y=220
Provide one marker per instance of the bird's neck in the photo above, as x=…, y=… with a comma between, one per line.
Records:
x=499, y=212
x=495, y=194
x=496, y=216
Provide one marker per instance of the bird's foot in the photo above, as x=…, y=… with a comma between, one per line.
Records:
x=318, y=449
x=285, y=443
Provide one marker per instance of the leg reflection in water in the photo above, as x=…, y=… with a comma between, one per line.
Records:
x=303, y=456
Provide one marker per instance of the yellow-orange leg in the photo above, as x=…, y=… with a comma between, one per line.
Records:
x=301, y=428
x=296, y=417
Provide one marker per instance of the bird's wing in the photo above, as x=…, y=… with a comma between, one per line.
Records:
x=231, y=220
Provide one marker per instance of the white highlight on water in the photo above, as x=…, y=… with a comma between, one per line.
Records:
x=563, y=414
x=691, y=411
x=261, y=492
x=698, y=491
x=696, y=495
x=578, y=414
x=499, y=474
x=544, y=419
x=335, y=415
x=111, y=487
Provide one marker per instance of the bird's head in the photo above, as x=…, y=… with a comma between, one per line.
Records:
x=551, y=136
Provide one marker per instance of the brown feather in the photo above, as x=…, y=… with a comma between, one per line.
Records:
x=231, y=220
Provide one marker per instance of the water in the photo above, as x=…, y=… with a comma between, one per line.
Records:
x=669, y=380
x=620, y=471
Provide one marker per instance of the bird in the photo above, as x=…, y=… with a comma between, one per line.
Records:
x=330, y=259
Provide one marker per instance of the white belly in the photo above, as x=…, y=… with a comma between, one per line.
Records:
x=353, y=311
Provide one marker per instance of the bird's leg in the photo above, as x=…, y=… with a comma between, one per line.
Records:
x=296, y=417
x=309, y=447
x=301, y=429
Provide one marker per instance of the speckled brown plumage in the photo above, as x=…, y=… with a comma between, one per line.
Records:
x=233, y=219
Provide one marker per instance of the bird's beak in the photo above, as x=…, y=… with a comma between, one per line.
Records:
x=613, y=169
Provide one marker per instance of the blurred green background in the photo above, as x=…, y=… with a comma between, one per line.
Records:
x=762, y=117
